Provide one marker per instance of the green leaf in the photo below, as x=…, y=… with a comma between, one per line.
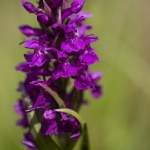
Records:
x=75, y=97
x=45, y=142
x=55, y=96
x=85, y=145
x=72, y=144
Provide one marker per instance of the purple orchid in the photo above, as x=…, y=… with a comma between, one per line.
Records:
x=59, y=50
x=20, y=110
x=29, y=141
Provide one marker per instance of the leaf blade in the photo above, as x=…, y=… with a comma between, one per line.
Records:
x=85, y=144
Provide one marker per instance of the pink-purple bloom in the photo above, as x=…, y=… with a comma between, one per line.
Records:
x=57, y=51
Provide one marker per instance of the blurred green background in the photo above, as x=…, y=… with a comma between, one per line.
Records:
x=120, y=120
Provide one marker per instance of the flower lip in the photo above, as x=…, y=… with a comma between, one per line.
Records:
x=49, y=114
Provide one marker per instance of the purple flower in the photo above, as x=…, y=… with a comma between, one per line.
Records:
x=89, y=57
x=42, y=18
x=56, y=3
x=73, y=45
x=77, y=5
x=66, y=124
x=29, y=142
x=83, y=82
x=64, y=70
x=95, y=78
x=29, y=31
x=39, y=57
x=20, y=110
x=59, y=52
x=49, y=124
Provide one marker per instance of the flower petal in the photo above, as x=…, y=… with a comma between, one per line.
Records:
x=56, y=3
x=64, y=70
x=74, y=44
x=90, y=57
x=32, y=44
x=83, y=82
x=77, y=5
x=38, y=59
x=42, y=18
x=97, y=92
x=28, y=6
